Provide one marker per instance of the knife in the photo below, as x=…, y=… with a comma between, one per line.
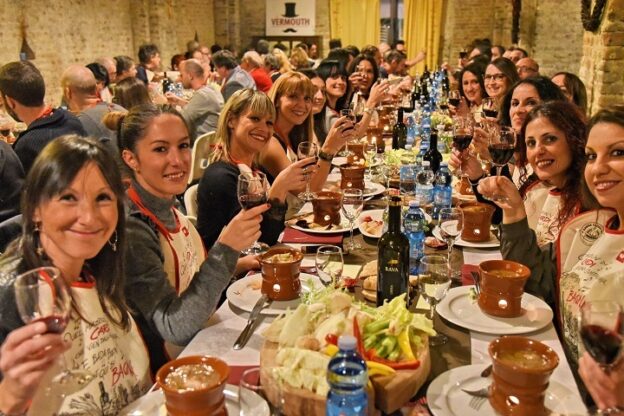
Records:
x=262, y=303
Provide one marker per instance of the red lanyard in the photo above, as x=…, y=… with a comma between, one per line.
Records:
x=134, y=197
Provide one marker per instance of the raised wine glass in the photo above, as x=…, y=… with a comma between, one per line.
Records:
x=490, y=108
x=602, y=331
x=434, y=280
x=41, y=295
x=450, y=223
x=304, y=151
x=252, y=191
x=463, y=131
x=350, y=115
x=329, y=264
x=502, y=144
x=454, y=98
x=352, y=204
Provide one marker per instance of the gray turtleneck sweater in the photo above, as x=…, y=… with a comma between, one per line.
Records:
x=160, y=313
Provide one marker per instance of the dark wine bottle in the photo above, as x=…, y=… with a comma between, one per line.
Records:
x=393, y=256
x=399, y=132
x=433, y=155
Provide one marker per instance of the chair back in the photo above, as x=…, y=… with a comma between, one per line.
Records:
x=202, y=148
x=190, y=201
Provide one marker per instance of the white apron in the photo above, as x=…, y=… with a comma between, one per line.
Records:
x=118, y=359
x=542, y=204
x=591, y=267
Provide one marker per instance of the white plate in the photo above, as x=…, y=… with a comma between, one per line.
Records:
x=491, y=243
x=377, y=215
x=242, y=294
x=445, y=397
x=153, y=404
x=344, y=227
x=370, y=188
x=458, y=308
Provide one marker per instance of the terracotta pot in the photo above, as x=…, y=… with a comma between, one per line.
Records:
x=280, y=280
x=326, y=206
x=356, y=153
x=352, y=177
x=201, y=402
x=519, y=390
x=502, y=286
x=476, y=219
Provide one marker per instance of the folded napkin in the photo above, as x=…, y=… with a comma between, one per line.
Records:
x=351, y=271
x=466, y=270
x=300, y=237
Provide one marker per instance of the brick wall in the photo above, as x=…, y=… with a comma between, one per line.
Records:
x=78, y=31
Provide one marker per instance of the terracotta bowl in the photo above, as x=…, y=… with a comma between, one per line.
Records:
x=352, y=177
x=356, y=151
x=502, y=286
x=326, y=207
x=199, y=402
x=519, y=389
x=476, y=219
x=280, y=281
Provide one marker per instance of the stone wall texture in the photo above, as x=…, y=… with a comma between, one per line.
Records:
x=62, y=32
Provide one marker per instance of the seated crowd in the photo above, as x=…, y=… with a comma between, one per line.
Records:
x=92, y=187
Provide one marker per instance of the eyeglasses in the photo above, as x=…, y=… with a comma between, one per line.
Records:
x=494, y=77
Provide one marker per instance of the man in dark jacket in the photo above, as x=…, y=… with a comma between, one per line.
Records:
x=22, y=90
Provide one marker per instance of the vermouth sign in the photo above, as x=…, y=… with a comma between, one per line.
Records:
x=290, y=18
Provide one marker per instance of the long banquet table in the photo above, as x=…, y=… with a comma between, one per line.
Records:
x=464, y=347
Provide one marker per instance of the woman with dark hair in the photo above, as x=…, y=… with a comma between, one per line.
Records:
x=318, y=104
x=245, y=127
x=587, y=265
x=101, y=81
x=335, y=75
x=472, y=87
x=173, y=285
x=130, y=92
x=292, y=96
x=573, y=88
x=73, y=219
x=126, y=68
x=499, y=77
x=363, y=73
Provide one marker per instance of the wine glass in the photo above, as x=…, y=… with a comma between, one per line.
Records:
x=370, y=151
x=434, y=281
x=450, y=223
x=463, y=131
x=502, y=143
x=602, y=331
x=329, y=264
x=252, y=191
x=260, y=392
x=490, y=109
x=42, y=295
x=304, y=151
x=454, y=98
x=443, y=102
x=352, y=204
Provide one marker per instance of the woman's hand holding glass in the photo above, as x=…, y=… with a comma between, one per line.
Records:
x=605, y=387
x=307, y=150
x=244, y=229
x=293, y=178
x=252, y=192
x=25, y=356
x=512, y=203
x=469, y=164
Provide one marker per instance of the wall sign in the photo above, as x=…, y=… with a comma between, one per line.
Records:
x=290, y=18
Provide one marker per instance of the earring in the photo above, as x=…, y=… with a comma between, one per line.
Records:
x=113, y=244
x=38, y=248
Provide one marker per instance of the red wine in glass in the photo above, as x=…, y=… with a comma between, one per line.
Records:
x=604, y=345
x=462, y=141
x=454, y=101
x=55, y=323
x=5, y=132
x=444, y=107
x=249, y=201
x=490, y=113
x=501, y=153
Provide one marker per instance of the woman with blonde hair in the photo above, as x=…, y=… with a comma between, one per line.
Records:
x=292, y=97
x=299, y=59
x=245, y=127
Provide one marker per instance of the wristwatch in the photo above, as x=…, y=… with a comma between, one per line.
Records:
x=327, y=157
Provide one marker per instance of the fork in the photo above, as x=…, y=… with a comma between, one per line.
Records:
x=478, y=397
x=476, y=402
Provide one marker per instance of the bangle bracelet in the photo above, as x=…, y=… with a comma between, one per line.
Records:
x=475, y=183
x=327, y=157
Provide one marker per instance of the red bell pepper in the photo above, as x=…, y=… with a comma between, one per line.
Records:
x=358, y=337
x=331, y=339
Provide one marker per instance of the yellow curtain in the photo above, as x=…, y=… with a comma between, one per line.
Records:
x=422, y=27
x=355, y=22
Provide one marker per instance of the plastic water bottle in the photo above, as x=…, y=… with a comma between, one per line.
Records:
x=442, y=190
x=406, y=173
x=414, y=229
x=424, y=184
x=347, y=376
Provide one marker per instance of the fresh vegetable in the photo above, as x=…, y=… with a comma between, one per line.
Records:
x=330, y=350
x=303, y=369
x=405, y=345
x=331, y=339
x=358, y=337
x=375, y=367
